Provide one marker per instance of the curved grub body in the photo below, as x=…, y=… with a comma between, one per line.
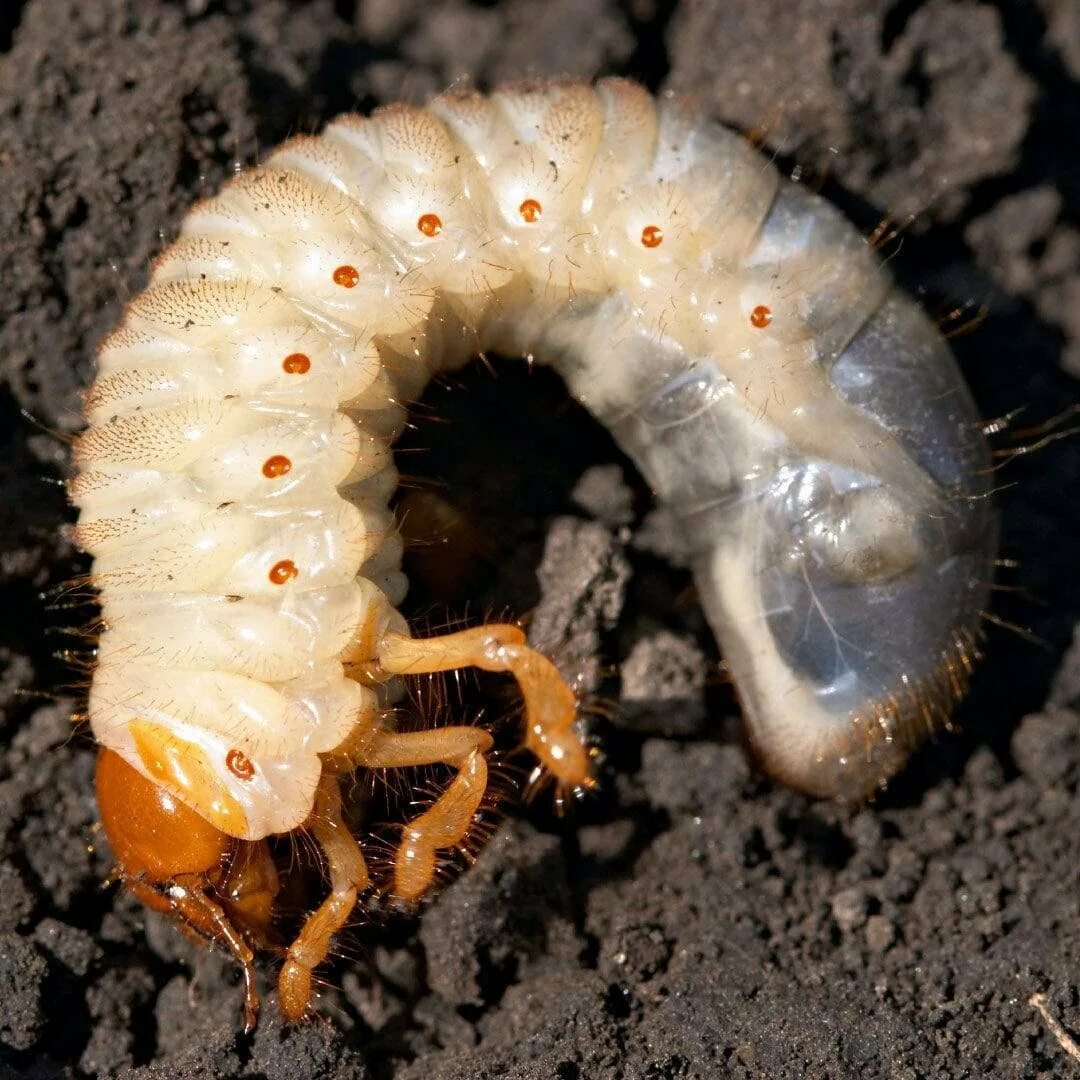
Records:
x=741, y=340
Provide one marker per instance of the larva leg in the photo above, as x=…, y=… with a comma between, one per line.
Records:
x=448, y=820
x=550, y=706
x=348, y=877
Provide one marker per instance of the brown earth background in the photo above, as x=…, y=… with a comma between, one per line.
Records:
x=691, y=920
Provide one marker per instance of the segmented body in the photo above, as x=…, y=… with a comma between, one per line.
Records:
x=803, y=420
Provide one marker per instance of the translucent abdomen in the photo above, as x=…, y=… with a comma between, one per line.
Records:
x=842, y=556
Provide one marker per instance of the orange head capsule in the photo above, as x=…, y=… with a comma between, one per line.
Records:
x=348, y=277
x=154, y=836
x=296, y=363
x=178, y=863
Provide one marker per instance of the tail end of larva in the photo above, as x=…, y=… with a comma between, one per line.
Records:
x=851, y=756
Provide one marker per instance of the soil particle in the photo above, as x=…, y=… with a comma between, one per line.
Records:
x=486, y=930
x=602, y=494
x=866, y=89
x=582, y=579
x=22, y=975
x=663, y=684
x=1063, y=31
x=690, y=919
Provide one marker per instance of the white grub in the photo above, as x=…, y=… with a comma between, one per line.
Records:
x=801, y=420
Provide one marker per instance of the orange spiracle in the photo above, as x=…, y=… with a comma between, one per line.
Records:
x=530, y=211
x=430, y=224
x=283, y=571
x=296, y=363
x=239, y=764
x=348, y=277
x=652, y=236
x=760, y=317
x=276, y=466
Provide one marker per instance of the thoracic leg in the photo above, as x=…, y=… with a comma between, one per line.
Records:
x=448, y=820
x=550, y=706
x=348, y=878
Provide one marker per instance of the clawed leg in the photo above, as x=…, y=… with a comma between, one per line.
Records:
x=550, y=706
x=448, y=820
x=348, y=878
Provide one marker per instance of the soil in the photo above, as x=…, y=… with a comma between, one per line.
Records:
x=691, y=919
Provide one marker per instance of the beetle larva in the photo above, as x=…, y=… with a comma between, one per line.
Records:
x=801, y=418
